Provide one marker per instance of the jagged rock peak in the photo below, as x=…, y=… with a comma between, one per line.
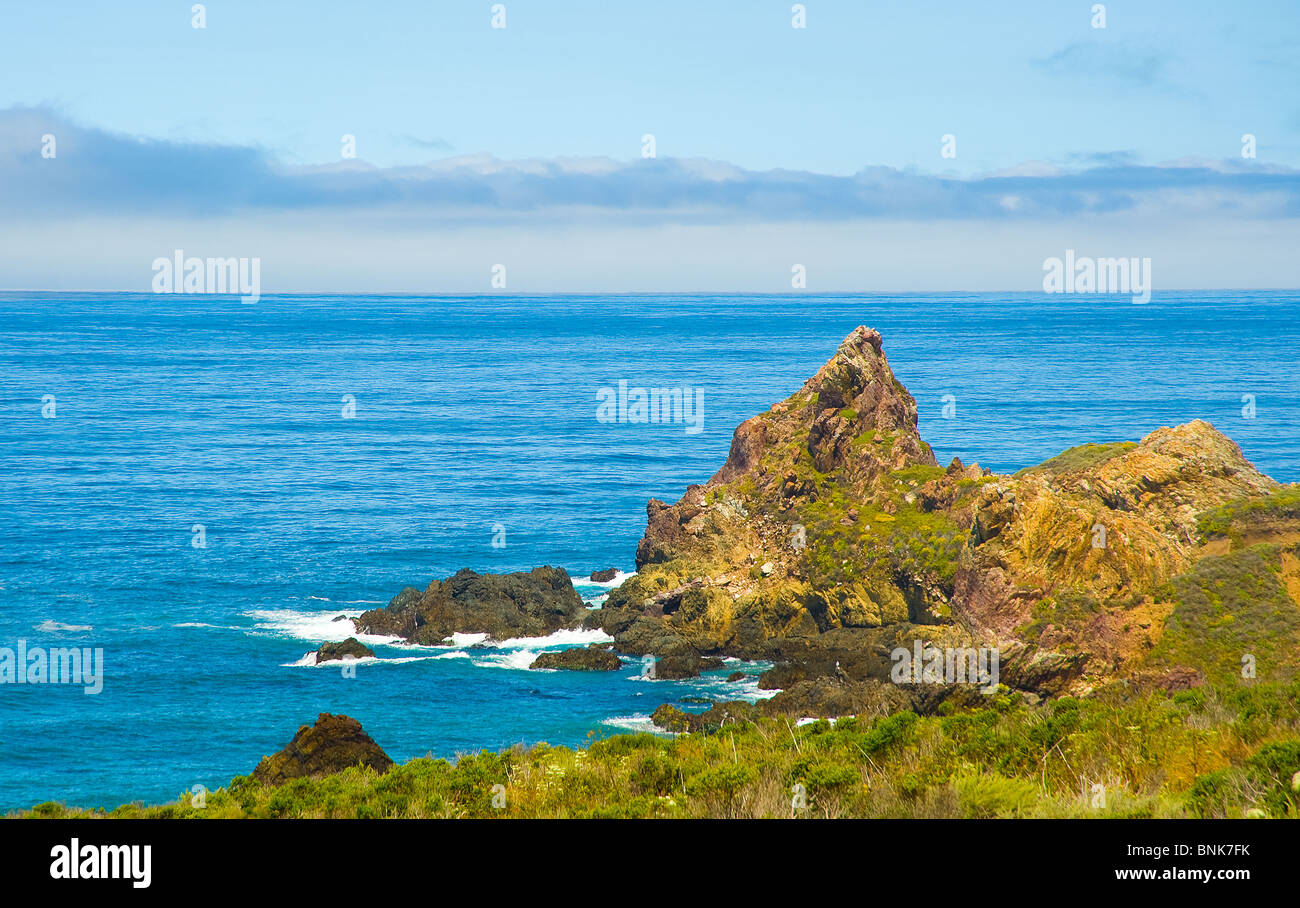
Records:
x=854, y=412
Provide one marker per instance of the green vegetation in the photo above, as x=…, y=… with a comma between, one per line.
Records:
x=1251, y=513
x=1228, y=607
x=856, y=540
x=1081, y=457
x=1071, y=608
x=1206, y=752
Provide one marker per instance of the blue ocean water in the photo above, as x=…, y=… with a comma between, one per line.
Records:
x=473, y=416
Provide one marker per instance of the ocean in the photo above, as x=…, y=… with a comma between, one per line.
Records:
x=198, y=486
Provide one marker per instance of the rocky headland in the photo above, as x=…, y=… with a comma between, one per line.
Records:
x=831, y=538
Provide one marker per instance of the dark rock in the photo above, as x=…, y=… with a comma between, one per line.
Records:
x=583, y=659
x=649, y=636
x=612, y=621
x=333, y=744
x=349, y=648
x=670, y=718
x=342, y=618
x=827, y=698
x=683, y=661
x=604, y=576
x=525, y=604
x=737, y=676
x=841, y=654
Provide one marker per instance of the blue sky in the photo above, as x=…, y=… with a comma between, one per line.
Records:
x=476, y=145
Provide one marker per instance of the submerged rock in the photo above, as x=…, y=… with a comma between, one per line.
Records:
x=332, y=744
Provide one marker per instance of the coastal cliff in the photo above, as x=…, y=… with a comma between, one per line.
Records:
x=831, y=536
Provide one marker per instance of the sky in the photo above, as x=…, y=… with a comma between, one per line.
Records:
x=885, y=146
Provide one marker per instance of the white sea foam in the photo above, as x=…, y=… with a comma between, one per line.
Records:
x=720, y=688
x=577, y=637
x=308, y=660
x=519, y=652
x=716, y=686
x=319, y=627
x=618, y=579
x=516, y=659
x=636, y=723
x=56, y=627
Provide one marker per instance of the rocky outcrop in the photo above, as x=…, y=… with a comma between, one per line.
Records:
x=604, y=576
x=526, y=604
x=332, y=744
x=584, y=659
x=831, y=536
x=351, y=648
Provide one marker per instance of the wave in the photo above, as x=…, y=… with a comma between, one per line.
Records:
x=575, y=637
x=618, y=579
x=748, y=690
x=809, y=720
x=637, y=723
x=515, y=659
x=518, y=653
x=319, y=627
x=308, y=660
x=714, y=685
x=50, y=626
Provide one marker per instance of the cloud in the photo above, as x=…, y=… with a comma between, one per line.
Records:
x=96, y=172
x=1103, y=158
x=1141, y=68
x=433, y=144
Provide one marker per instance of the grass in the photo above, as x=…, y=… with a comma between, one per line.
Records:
x=1208, y=752
x=1229, y=607
x=1250, y=513
x=1081, y=457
